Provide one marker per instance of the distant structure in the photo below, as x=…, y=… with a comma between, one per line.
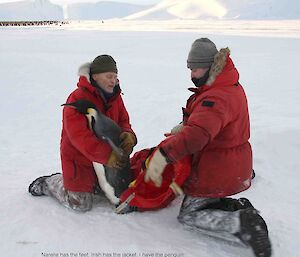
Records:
x=31, y=23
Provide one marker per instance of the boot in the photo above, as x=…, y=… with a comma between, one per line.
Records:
x=38, y=186
x=244, y=203
x=230, y=204
x=254, y=233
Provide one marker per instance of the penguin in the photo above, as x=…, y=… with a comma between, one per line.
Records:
x=112, y=181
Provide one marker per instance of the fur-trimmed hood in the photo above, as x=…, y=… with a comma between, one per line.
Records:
x=84, y=71
x=218, y=65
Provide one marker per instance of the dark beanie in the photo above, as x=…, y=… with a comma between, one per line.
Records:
x=202, y=54
x=103, y=63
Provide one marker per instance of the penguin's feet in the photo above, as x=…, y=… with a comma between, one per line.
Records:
x=38, y=186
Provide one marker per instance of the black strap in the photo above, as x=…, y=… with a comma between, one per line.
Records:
x=164, y=154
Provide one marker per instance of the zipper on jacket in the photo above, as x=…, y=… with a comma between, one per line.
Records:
x=75, y=169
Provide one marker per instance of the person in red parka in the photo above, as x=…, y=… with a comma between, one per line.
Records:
x=74, y=188
x=215, y=131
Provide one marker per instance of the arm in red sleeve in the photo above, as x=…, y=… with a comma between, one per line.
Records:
x=203, y=125
x=83, y=139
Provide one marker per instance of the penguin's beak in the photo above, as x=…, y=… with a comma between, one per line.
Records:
x=69, y=105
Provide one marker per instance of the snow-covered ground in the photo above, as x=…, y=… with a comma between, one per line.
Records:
x=262, y=28
x=38, y=70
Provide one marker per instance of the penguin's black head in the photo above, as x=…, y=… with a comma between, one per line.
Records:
x=83, y=106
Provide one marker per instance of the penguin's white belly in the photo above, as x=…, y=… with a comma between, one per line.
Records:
x=105, y=186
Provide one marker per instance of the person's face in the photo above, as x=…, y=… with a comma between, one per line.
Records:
x=198, y=72
x=107, y=80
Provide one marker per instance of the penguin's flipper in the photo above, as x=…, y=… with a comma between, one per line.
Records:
x=113, y=146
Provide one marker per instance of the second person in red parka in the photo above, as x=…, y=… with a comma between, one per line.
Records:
x=215, y=132
x=74, y=188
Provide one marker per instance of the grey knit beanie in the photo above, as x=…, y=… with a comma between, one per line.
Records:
x=202, y=54
x=103, y=63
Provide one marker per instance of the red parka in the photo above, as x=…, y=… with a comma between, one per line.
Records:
x=216, y=133
x=79, y=146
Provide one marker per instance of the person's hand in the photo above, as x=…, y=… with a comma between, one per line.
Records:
x=128, y=141
x=155, y=167
x=174, y=130
x=116, y=161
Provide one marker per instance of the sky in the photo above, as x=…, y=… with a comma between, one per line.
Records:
x=74, y=1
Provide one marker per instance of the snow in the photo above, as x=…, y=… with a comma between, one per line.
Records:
x=194, y=9
x=220, y=9
x=102, y=10
x=189, y=9
x=278, y=28
x=38, y=70
x=30, y=10
x=258, y=9
x=163, y=10
x=46, y=10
